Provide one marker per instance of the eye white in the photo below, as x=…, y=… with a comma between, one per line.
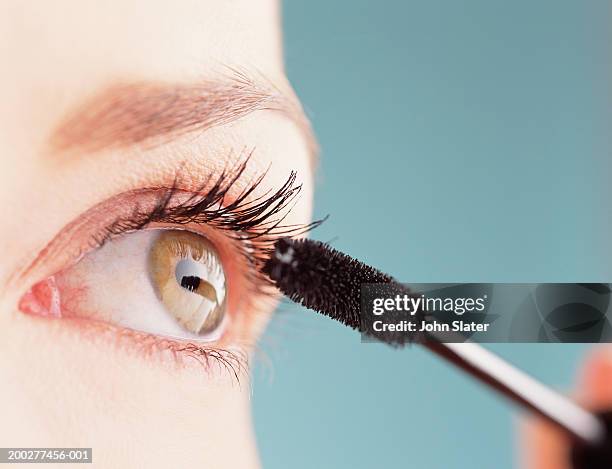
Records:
x=116, y=287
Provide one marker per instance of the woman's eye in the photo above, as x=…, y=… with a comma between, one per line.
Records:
x=165, y=282
x=188, y=278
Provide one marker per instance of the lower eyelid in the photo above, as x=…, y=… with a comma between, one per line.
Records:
x=218, y=360
x=211, y=359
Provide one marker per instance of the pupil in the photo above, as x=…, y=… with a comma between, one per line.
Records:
x=190, y=282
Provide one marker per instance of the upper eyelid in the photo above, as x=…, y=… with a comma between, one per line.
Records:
x=138, y=214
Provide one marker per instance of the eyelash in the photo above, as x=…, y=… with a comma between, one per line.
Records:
x=234, y=362
x=254, y=225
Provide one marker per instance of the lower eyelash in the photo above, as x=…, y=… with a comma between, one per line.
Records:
x=178, y=353
x=235, y=363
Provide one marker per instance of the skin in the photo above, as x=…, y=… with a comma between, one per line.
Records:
x=67, y=385
x=544, y=446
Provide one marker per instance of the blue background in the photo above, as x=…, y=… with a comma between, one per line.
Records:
x=461, y=141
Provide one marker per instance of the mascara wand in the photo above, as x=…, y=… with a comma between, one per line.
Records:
x=325, y=280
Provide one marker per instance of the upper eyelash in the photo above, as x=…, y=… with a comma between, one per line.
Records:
x=256, y=223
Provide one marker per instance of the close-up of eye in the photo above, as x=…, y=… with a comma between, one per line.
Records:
x=176, y=269
x=229, y=228
x=166, y=282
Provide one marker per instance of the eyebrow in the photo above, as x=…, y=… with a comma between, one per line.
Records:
x=154, y=113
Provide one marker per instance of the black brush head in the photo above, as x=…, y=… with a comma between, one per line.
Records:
x=320, y=278
x=323, y=279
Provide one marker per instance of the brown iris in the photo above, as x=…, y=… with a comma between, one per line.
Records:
x=188, y=277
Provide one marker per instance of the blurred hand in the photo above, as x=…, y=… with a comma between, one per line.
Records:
x=545, y=447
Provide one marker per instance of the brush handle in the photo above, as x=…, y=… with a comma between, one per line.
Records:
x=521, y=388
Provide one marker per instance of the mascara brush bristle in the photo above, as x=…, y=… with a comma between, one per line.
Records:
x=325, y=280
